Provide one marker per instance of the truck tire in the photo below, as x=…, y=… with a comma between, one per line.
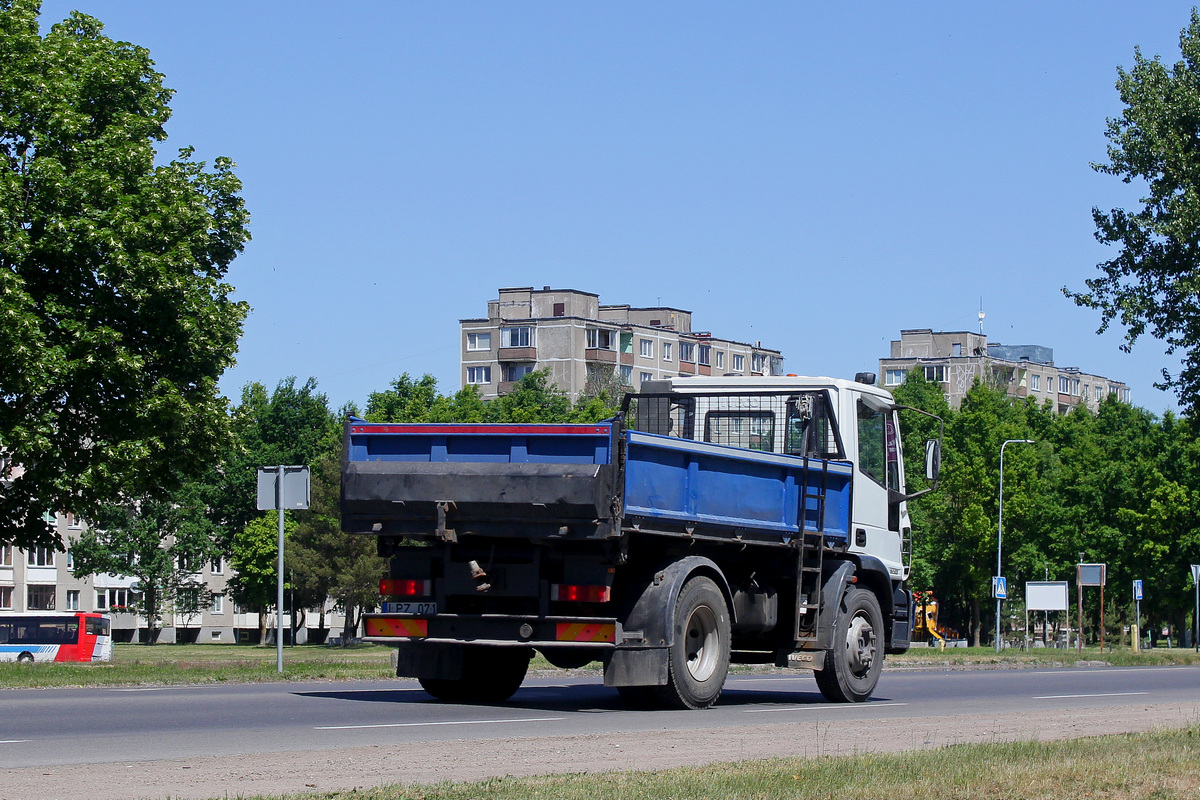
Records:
x=489, y=675
x=25, y=658
x=699, y=659
x=853, y=664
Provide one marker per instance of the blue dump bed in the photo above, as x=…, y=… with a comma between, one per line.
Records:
x=400, y=474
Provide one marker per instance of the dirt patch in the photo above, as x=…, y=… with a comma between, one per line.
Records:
x=348, y=768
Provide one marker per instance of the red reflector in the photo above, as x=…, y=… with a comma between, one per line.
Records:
x=580, y=594
x=396, y=587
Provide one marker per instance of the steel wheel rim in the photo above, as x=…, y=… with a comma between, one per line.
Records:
x=860, y=645
x=701, y=643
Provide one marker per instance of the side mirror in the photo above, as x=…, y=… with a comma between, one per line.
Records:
x=933, y=459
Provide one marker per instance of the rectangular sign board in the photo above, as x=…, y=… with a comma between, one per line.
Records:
x=999, y=587
x=1092, y=574
x=1196, y=573
x=1046, y=595
x=295, y=488
x=1137, y=589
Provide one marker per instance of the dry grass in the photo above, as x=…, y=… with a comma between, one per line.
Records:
x=1161, y=765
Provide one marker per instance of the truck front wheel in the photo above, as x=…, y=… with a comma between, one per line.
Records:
x=699, y=659
x=489, y=675
x=853, y=664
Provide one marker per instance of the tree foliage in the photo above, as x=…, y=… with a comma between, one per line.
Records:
x=1154, y=281
x=117, y=321
x=161, y=543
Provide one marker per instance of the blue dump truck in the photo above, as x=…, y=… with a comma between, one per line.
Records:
x=714, y=520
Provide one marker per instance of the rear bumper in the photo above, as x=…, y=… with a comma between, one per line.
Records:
x=500, y=630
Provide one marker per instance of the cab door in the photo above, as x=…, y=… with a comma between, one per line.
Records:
x=876, y=522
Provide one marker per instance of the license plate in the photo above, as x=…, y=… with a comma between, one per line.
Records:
x=415, y=609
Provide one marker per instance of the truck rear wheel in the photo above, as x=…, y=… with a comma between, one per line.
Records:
x=489, y=675
x=699, y=659
x=853, y=664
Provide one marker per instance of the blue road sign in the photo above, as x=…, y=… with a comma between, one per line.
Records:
x=1137, y=589
x=1000, y=587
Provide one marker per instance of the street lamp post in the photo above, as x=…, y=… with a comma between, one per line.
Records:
x=1000, y=529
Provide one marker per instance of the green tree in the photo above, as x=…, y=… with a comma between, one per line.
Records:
x=161, y=543
x=254, y=556
x=117, y=321
x=291, y=425
x=1152, y=282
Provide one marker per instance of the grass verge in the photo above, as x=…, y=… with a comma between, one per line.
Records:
x=180, y=664
x=1161, y=765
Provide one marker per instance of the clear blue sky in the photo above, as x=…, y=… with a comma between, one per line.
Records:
x=814, y=176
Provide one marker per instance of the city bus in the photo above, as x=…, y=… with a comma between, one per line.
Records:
x=77, y=636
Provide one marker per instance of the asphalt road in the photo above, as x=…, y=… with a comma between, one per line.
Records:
x=41, y=728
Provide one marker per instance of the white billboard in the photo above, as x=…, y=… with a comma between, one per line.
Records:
x=1046, y=595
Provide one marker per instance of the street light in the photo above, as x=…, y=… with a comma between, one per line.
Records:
x=1000, y=529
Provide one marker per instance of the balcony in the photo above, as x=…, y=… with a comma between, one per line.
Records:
x=687, y=368
x=517, y=354
x=600, y=355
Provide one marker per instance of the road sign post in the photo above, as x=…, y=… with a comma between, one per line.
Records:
x=1196, y=613
x=1091, y=575
x=281, y=488
x=1137, y=615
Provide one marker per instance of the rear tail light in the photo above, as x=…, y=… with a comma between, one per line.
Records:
x=580, y=594
x=398, y=587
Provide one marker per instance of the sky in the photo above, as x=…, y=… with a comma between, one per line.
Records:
x=816, y=177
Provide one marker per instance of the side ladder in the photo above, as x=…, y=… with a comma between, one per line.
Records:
x=811, y=556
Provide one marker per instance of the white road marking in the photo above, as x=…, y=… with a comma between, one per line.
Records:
x=821, y=707
x=1074, y=670
x=15, y=741
x=1099, y=694
x=423, y=724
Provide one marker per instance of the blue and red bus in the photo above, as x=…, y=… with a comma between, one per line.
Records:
x=46, y=636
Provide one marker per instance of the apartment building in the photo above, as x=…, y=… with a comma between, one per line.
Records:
x=586, y=344
x=40, y=579
x=956, y=358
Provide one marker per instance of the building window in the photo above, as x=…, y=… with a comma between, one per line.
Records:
x=704, y=354
x=516, y=337
x=666, y=348
x=646, y=348
x=41, y=598
x=73, y=522
x=6, y=597
x=645, y=376
x=479, y=375
x=514, y=372
x=112, y=599
x=956, y=349
x=560, y=309
x=479, y=341
x=935, y=373
x=217, y=566
x=601, y=339
x=626, y=375
x=739, y=363
x=70, y=560
x=72, y=600
x=6, y=555
x=218, y=604
x=1124, y=395
x=186, y=563
x=687, y=352
x=1064, y=384
x=720, y=360
x=1075, y=387
x=1035, y=382
x=893, y=377
x=40, y=557
x=758, y=362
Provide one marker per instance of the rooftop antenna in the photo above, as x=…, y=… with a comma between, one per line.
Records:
x=981, y=316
